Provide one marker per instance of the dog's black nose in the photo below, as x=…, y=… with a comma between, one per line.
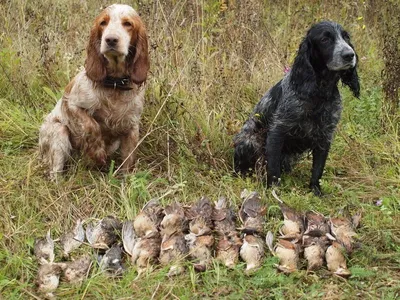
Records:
x=111, y=40
x=348, y=55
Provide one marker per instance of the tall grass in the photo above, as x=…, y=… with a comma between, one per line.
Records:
x=211, y=61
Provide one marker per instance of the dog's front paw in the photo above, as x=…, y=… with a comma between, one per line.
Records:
x=316, y=189
x=273, y=181
x=99, y=156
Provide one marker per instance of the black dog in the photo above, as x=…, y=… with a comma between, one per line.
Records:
x=300, y=112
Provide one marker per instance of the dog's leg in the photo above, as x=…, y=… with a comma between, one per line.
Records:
x=112, y=146
x=86, y=133
x=275, y=141
x=319, y=158
x=54, y=145
x=128, y=149
x=286, y=163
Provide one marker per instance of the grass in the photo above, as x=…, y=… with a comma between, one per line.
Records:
x=211, y=62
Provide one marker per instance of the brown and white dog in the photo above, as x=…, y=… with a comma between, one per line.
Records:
x=100, y=110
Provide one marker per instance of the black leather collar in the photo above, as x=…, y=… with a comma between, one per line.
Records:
x=118, y=83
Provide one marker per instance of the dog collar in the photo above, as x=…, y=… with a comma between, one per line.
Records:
x=124, y=83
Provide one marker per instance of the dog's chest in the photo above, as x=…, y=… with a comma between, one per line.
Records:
x=318, y=123
x=117, y=116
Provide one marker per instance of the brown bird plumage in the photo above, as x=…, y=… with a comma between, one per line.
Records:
x=104, y=233
x=200, y=216
x=77, y=270
x=173, y=250
x=48, y=278
x=252, y=213
x=224, y=217
x=336, y=261
x=228, y=239
x=202, y=207
x=147, y=222
x=314, y=251
x=44, y=249
x=343, y=230
x=200, y=226
x=73, y=239
x=200, y=239
x=174, y=221
x=293, y=223
x=173, y=245
x=288, y=254
x=146, y=252
x=252, y=252
x=317, y=224
x=200, y=250
x=227, y=249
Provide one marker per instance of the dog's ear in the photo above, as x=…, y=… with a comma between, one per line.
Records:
x=138, y=63
x=302, y=75
x=350, y=78
x=95, y=64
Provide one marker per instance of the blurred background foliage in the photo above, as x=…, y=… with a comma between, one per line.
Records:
x=211, y=60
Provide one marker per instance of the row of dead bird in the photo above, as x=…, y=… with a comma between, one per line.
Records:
x=175, y=233
x=318, y=238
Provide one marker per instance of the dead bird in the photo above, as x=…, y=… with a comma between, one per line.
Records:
x=200, y=226
x=343, y=230
x=293, y=225
x=77, y=270
x=104, y=233
x=314, y=251
x=202, y=207
x=227, y=249
x=252, y=213
x=224, y=217
x=44, y=249
x=228, y=243
x=200, y=217
x=200, y=250
x=147, y=222
x=48, y=278
x=111, y=261
x=72, y=240
x=286, y=251
x=200, y=240
x=174, y=221
x=173, y=245
x=293, y=222
x=173, y=251
x=317, y=224
x=146, y=252
x=336, y=261
x=252, y=252
x=129, y=238
x=143, y=251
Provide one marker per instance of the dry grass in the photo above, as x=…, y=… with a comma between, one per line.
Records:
x=211, y=62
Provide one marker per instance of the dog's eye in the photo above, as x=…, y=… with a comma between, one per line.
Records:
x=325, y=39
x=345, y=35
x=103, y=23
x=127, y=24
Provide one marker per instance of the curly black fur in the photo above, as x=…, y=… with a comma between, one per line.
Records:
x=301, y=112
